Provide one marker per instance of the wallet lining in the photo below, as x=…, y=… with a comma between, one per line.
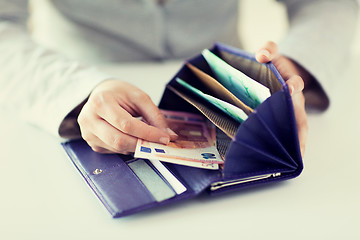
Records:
x=257, y=71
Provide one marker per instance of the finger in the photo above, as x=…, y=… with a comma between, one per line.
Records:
x=295, y=84
x=267, y=53
x=112, y=139
x=87, y=125
x=99, y=146
x=124, y=122
x=151, y=113
x=155, y=117
x=101, y=150
x=301, y=119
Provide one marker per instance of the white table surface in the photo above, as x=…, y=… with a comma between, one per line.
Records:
x=43, y=196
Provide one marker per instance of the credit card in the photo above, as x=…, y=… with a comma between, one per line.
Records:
x=158, y=188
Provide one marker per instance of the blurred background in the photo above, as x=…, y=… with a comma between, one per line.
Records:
x=255, y=26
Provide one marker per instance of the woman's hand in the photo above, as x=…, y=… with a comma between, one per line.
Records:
x=296, y=78
x=108, y=120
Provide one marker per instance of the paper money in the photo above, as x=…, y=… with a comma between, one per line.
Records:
x=194, y=147
x=246, y=89
x=191, y=117
x=233, y=111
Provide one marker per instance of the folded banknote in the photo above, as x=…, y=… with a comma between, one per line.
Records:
x=195, y=145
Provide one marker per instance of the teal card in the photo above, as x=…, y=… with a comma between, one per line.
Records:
x=246, y=89
x=236, y=113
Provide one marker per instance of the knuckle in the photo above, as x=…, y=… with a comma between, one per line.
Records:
x=97, y=149
x=158, y=115
x=82, y=119
x=149, y=133
x=140, y=96
x=86, y=136
x=124, y=125
x=119, y=144
x=98, y=100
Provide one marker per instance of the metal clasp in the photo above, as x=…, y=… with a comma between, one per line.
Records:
x=97, y=171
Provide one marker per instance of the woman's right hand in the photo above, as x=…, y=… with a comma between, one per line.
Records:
x=108, y=120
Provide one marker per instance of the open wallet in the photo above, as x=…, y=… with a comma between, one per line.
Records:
x=262, y=148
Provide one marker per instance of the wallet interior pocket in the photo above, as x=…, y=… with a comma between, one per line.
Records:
x=261, y=145
x=224, y=122
x=214, y=88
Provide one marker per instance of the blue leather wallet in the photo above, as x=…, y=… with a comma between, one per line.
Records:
x=263, y=149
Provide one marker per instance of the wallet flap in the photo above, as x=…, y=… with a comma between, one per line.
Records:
x=109, y=177
x=119, y=187
x=274, y=136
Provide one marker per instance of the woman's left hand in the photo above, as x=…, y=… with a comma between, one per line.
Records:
x=296, y=78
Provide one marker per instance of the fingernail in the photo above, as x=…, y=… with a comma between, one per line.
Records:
x=266, y=53
x=171, y=132
x=165, y=140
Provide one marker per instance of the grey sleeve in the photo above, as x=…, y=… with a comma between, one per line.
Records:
x=14, y=11
x=319, y=38
x=36, y=84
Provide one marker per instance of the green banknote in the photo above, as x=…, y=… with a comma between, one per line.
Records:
x=229, y=109
x=246, y=89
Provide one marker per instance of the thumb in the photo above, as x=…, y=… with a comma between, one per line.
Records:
x=156, y=118
x=267, y=53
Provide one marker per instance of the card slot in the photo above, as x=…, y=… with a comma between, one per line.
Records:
x=227, y=124
x=158, y=187
x=214, y=88
x=167, y=176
